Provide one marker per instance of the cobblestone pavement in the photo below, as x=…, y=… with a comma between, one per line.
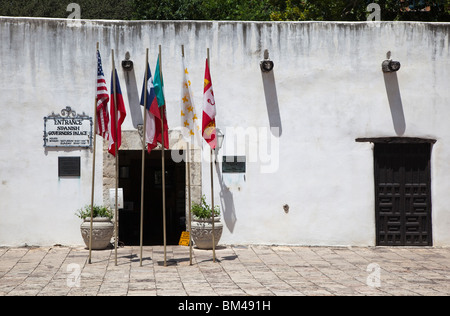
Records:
x=239, y=270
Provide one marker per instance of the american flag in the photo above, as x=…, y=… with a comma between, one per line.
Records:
x=102, y=100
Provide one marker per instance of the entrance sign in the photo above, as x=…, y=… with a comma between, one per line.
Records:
x=68, y=129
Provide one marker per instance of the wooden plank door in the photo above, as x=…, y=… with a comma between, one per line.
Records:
x=403, y=194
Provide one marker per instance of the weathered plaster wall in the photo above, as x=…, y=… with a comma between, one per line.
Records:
x=327, y=89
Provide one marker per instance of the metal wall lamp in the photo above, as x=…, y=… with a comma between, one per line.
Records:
x=390, y=65
x=266, y=64
x=127, y=64
x=220, y=137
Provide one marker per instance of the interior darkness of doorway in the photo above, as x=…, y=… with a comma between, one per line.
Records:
x=130, y=180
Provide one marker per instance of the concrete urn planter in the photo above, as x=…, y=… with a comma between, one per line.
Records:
x=102, y=232
x=202, y=232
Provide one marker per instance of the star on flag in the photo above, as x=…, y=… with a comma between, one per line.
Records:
x=191, y=130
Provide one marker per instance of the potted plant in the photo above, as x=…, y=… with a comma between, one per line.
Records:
x=102, y=226
x=202, y=225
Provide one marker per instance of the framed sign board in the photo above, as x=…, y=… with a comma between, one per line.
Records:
x=112, y=198
x=68, y=129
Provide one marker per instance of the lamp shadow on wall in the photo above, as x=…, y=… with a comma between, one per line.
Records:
x=227, y=202
x=133, y=98
x=395, y=102
x=273, y=109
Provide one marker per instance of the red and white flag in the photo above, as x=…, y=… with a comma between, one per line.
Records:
x=209, y=111
x=115, y=137
x=102, y=100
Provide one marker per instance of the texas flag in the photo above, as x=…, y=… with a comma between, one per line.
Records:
x=153, y=125
x=209, y=111
x=115, y=137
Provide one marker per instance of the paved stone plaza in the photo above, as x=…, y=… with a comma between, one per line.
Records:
x=240, y=270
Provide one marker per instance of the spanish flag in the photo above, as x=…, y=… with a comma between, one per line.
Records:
x=190, y=122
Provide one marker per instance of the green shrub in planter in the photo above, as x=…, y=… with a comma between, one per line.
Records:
x=102, y=226
x=99, y=211
x=202, y=210
x=201, y=229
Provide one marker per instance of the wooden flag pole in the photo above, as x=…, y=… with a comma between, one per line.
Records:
x=93, y=162
x=163, y=175
x=188, y=164
x=144, y=145
x=212, y=208
x=212, y=188
x=116, y=141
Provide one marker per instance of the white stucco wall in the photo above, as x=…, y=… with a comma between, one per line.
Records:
x=327, y=89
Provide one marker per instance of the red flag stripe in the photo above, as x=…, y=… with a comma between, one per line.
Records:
x=115, y=137
x=102, y=101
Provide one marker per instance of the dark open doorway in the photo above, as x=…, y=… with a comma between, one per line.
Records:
x=130, y=181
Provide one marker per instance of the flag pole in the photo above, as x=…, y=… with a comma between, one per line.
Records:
x=144, y=143
x=163, y=176
x=188, y=164
x=116, y=143
x=212, y=208
x=212, y=189
x=93, y=164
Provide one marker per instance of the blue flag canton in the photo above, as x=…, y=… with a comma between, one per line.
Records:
x=150, y=89
x=118, y=90
x=99, y=65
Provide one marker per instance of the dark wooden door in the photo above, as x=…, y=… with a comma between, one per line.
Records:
x=403, y=194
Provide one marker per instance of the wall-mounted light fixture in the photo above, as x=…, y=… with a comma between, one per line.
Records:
x=220, y=136
x=127, y=64
x=390, y=65
x=266, y=64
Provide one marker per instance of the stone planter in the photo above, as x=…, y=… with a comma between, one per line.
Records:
x=102, y=232
x=202, y=232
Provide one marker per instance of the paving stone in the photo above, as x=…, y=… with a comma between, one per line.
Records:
x=239, y=271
